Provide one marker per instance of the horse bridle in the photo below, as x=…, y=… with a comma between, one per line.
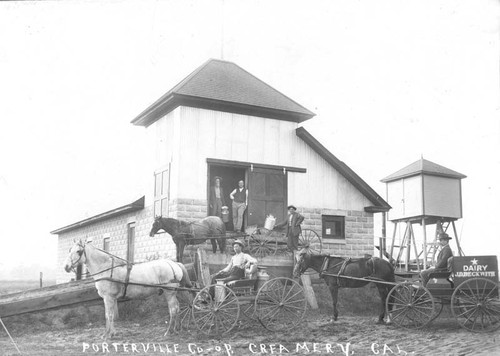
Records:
x=300, y=262
x=80, y=254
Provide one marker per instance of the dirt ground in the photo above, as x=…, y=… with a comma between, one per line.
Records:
x=76, y=331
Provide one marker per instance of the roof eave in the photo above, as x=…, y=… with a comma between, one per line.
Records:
x=391, y=179
x=134, y=206
x=343, y=169
x=160, y=109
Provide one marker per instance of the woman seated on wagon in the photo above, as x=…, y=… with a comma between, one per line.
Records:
x=241, y=264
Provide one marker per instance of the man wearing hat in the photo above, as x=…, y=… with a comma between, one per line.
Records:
x=442, y=258
x=216, y=198
x=236, y=268
x=293, y=229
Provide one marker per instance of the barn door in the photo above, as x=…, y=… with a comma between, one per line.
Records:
x=266, y=195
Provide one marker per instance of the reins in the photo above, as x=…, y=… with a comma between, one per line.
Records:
x=129, y=268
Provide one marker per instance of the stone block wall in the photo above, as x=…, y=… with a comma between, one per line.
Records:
x=359, y=230
x=116, y=228
x=188, y=209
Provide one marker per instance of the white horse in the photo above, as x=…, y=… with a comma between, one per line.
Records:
x=115, y=278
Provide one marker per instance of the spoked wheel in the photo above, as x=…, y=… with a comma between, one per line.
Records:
x=215, y=315
x=280, y=304
x=185, y=316
x=475, y=304
x=438, y=308
x=262, y=242
x=412, y=305
x=310, y=242
x=248, y=310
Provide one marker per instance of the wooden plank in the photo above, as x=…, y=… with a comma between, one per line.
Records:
x=40, y=300
x=308, y=291
x=203, y=267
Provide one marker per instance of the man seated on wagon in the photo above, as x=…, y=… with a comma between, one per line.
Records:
x=241, y=264
x=442, y=259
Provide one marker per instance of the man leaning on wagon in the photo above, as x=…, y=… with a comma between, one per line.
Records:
x=293, y=229
x=442, y=258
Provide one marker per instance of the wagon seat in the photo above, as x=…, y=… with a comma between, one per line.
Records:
x=246, y=285
x=441, y=280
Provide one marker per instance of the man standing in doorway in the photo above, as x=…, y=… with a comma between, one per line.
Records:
x=293, y=229
x=217, y=198
x=239, y=196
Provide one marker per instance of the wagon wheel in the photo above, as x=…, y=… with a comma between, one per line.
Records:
x=310, y=242
x=185, y=317
x=475, y=304
x=248, y=310
x=280, y=304
x=262, y=242
x=437, y=311
x=215, y=315
x=412, y=305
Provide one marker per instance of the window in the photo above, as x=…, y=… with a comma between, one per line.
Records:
x=130, y=241
x=333, y=227
x=105, y=244
x=161, y=192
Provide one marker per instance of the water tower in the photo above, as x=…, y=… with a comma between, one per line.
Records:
x=423, y=193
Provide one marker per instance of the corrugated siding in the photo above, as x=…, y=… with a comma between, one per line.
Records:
x=212, y=134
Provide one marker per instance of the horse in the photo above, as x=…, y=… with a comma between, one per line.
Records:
x=192, y=233
x=364, y=271
x=116, y=278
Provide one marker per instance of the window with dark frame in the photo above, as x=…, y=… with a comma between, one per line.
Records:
x=333, y=227
x=130, y=241
x=161, y=192
x=105, y=244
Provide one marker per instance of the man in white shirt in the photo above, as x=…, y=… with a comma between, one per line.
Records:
x=236, y=268
x=239, y=196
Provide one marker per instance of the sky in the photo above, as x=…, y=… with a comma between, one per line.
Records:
x=390, y=81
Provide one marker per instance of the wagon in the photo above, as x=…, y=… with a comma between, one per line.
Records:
x=277, y=304
x=262, y=242
x=471, y=289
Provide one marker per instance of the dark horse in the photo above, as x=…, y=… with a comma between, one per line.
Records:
x=329, y=267
x=192, y=233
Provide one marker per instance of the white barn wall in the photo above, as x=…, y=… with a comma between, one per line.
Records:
x=212, y=134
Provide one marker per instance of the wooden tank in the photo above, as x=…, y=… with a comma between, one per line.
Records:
x=424, y=189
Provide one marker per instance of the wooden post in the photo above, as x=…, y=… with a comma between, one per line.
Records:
x=202, y=266
x=308, y=291
x=41, y=279
x=425, y=242
x=460, y=252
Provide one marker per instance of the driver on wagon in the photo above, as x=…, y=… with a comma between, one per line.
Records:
x=240, y=263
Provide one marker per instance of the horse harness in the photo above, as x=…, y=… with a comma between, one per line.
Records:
x=343, y=265
x=112, y=268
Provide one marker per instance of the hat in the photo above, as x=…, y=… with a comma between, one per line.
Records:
x=292, y=207
x=217, y=177
x=239, y=242
x=444, y=236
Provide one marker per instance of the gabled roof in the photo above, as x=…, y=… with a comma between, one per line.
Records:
x=380, y=204
x=134, y=206
x=225, y=86
x=423, y=166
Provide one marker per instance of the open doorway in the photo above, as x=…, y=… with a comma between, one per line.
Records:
x=230, y=177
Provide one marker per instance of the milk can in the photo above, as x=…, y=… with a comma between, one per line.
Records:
x=262, y=276
x=225, y=214
x=270, y=222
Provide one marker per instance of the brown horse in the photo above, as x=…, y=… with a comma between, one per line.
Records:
x=363, y=271
x=192, y=233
